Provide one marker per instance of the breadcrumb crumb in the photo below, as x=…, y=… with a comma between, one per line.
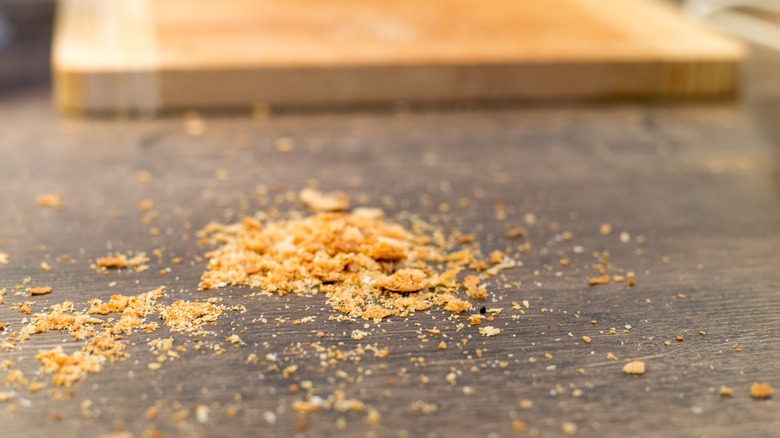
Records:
x=635, y=367
x=39, y=290
x=489, y=331
x=761, y=390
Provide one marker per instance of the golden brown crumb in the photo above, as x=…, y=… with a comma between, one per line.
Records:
x=516, y=232
x=112, y=262
x=635, y=367
x=473, y=291
x=36, y=386
x=138, y=262
x=761, y=390
x=405, y=280
x=60, y=317
x=305, y=407
x=605, y=229
x=725, y=391
x=39, y=290
x=373, y=417
x=190, y=317
x=466, y=238
x=49, y=200
x=518, y=425
x=231, y=412
x=4, y=258
x=68, y=368
x=594, y=281
x=15, y=377
x=569, y=428
x=320, y=202
x=145, y=205
x=586, y=339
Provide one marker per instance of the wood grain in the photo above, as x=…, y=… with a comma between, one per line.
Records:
x=154, y=55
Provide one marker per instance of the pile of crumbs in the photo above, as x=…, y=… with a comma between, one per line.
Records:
x=366, y=265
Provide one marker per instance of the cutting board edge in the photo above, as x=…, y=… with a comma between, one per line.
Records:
x=150, y=92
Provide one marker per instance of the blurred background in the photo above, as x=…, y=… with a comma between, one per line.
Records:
x=25, y=36
x=26, y=33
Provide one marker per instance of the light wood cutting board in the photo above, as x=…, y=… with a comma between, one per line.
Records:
x=153, y=55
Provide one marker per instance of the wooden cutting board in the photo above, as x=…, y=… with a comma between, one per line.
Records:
x=152, y=55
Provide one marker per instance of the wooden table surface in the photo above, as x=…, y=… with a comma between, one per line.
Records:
x=700, y=183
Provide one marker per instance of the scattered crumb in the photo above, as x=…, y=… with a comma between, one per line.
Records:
x=112, y=262
x=4, y=258
x=569, y=428
x=594, y=281
x=516, y=232
x=320, y=201
x=145, y=205
x=518, y=425
x=139, y=262
x=725, y=391
x=39, y=290
x=761, y=390
x=53, y=200
x=359, y=334
x=634, y=367
x=373, y=417
x=489, y=331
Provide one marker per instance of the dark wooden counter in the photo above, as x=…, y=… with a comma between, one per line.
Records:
x=700, y=182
